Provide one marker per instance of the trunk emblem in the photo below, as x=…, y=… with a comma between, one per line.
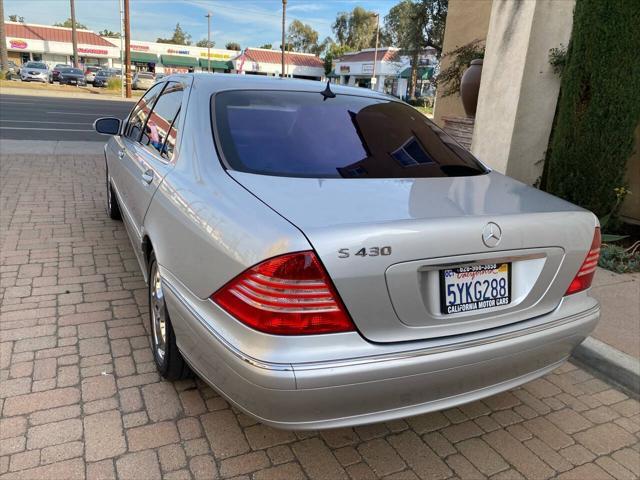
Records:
x=491, y=234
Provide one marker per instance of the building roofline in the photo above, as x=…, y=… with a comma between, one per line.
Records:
x=29, y=24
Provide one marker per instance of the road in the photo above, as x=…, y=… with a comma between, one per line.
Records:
x=55, y=118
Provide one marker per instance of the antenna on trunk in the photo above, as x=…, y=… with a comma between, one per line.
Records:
x=327, y=93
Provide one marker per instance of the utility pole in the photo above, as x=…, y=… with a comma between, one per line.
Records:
x=208, y=15
x=375, y=53
x=283, y=46
x=121, y=8
x=74, y=34
x=127, y=49
x=4, y=57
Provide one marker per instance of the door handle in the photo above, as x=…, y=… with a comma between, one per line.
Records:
x=147, y=176
x=121, y=154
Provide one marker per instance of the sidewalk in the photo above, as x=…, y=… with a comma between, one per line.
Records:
x=613, y=349
x=619, y=297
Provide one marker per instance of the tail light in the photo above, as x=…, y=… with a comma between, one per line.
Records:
x=584, y=277
x=286, y=295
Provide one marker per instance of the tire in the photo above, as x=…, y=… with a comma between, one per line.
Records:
x=113, y=209
x=168, y=359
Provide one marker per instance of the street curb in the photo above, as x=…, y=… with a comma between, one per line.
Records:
x=613, y=364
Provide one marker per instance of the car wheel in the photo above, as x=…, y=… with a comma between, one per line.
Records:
x=113, y=209
x=169, y=361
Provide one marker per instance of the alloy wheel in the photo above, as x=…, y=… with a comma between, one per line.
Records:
x=158, y=315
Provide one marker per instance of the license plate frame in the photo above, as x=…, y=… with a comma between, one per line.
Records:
x=480, y=270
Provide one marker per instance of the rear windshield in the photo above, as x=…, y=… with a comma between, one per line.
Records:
x=300, y=134
x=71, y=70
x=146, y=76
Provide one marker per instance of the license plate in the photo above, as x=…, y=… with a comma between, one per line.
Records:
x=73, y=81
x=475, y=287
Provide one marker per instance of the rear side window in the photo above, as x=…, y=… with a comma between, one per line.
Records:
x=300, y=134
x=161, y=129
x=141, y=111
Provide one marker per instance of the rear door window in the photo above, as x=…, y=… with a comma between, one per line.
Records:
x=300, y=134
x=140, y=113
x=160, y=130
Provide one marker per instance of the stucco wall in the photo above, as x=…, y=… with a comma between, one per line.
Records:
x=631, y=206
x=467, y=20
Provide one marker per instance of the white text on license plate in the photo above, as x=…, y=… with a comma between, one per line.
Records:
x=475, y=287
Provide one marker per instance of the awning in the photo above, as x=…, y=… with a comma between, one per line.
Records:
x=424, y=73
x=218, y=64
x=179, y=61
x=142, y=57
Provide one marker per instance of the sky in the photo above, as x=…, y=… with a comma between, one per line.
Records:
x=248, y=22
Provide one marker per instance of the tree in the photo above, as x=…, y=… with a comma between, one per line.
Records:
x=232, y=46
x=204, y=43
x=356, y=29
x=332, y=51
x=267, y=46
x=179, y=37
x=109, y=33
x=302, y=37
x=67, y=24
x=4, y=58
x=413, y=26
x=16, y=18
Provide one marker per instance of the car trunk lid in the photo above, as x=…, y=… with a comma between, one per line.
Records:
x=385, y=241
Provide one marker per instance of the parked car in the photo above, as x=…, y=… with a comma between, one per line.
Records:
x=90, y=73
x=72, y=76
x=34, y=71
x=327, y=256
x=55, y=71
x=102, y=77
x=143, y=80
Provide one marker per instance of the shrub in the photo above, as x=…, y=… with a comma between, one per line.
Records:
x=599, y=105
x=114, y=83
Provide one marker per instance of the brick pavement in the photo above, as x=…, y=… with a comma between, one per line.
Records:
x=80, y=398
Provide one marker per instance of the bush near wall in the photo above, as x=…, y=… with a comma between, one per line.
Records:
x=599, y=105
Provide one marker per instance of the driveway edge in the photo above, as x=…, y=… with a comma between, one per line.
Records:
x=613, y=364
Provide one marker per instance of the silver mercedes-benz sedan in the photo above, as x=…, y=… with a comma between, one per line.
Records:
x=326, y=256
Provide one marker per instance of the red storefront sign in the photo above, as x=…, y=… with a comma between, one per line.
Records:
x=94, y=51
x=140, y=48
x=20, y=44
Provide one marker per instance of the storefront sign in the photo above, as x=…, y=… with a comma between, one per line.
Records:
x=345, y=69
x=367, y=68
x=140, y=48
x=94, y=51
x=179, y=52
x=20, y=44
x=221, y=56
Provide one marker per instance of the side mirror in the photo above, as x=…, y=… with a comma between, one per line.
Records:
x=107, y=126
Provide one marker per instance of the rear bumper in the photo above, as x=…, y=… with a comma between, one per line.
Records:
x=379, y=388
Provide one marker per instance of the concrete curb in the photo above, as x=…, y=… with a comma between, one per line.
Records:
x=612, y=364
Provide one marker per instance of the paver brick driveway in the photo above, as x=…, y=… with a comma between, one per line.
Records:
x=80, y=398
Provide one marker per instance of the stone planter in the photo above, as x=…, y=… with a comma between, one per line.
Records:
x=470, y=87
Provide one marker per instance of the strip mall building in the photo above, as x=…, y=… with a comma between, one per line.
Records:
x=53, y=45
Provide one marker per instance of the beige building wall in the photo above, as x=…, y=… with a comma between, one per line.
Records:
x=467, y=20
x=631, y=206
x=519, y=91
